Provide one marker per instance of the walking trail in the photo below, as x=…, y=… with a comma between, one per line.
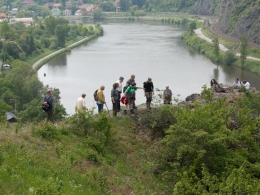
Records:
x=40, y=60
x=221, y=47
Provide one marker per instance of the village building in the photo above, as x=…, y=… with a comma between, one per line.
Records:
x=56, y=11
x=78, y=13
x=67, y=12
x=25, y=21
x=27, y=2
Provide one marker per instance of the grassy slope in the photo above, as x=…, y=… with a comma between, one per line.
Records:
x=29, y=164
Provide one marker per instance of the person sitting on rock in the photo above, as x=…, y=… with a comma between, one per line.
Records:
x=246, y=84
x=216, y=87
x=237, y=83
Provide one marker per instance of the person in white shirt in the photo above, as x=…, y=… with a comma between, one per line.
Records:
x=246, y=84
x=237, y=83
x=120, y=90
x=81, y=104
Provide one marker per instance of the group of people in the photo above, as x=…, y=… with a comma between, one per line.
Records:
x=237, y=84
x=125, y=95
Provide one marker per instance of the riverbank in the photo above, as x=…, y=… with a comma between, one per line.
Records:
x=207, y=49
x=47, y=58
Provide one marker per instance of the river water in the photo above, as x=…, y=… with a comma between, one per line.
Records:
x=143, y=49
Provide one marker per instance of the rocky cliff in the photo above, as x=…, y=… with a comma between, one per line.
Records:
x=236, y=17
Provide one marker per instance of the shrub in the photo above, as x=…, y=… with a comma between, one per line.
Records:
x=139, y=13
x=46, y=131
x=229, y=57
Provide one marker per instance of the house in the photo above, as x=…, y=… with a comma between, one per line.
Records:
x=57, y=5
x=27, y=2
x=2, y=15
x=50, y=4
x=67, y=12
x=78, y=13
x=6, y=67
x=88, y=8
x=56, y=11
x=14, y=11
x=10, y=117
x=25, y=21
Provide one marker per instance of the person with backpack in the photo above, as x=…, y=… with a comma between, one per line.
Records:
x=130, y=94
x=120, y=90
x=129, y=82
x=81, y=104
x=48, y=106
x=115, y=98
x=101, y=98
x=148, y=92
x=237, y=83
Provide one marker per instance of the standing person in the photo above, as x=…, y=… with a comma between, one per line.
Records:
x=130, y=93
x=120, y=90
x=167, y=95
x=129, y=82
x=115, y=98
x=246, y=84
x=101, y=99
x=148, y=92
x=81, y=104
x=124, y=99
x=49, y=99
x=237, y=83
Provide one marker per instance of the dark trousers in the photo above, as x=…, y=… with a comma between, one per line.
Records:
x=50, y=116
x=118, y=103
x=115, y=107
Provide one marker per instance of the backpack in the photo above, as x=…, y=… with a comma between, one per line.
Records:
x=96, y=95
x=46, y=105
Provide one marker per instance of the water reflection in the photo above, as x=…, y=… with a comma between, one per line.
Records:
x=60, y=60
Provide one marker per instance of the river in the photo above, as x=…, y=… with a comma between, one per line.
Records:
x=146, y=50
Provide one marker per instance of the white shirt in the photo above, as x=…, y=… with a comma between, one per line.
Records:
x=247, y=85
x=120, y=87
x=239, y=84
x=80, y=104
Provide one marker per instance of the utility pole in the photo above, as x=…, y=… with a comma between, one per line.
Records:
x=14, y=105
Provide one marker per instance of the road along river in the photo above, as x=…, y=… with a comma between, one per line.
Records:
x=144, y=49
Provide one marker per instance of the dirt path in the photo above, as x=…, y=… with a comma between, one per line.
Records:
x=40, y=60
x=221, y=47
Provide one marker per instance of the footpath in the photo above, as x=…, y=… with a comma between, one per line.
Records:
x=221, y=47
x=54, y=53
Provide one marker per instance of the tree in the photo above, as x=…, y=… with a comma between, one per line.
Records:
x=243, y=49
x=61, y=34
x=192, y=27
x=98, y=14
x=216, y=48
x=50, y=25
x=124, y=5
x=4, y=29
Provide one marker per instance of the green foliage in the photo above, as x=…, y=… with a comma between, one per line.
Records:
x=139, y=13
x=98, y=15
x=216, y=48
x=192, y=26
x=229, y=57
x=243, y=49
x=214, y=132
x=46, y=131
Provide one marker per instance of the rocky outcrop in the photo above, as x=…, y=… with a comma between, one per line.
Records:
x=235, y=17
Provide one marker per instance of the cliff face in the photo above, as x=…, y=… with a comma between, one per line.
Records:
x=236, y=17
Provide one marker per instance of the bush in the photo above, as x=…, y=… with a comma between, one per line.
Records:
x=229, y=57
x=139, y=13
x=47, y=131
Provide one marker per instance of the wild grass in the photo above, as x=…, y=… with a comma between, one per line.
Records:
x=48, y=159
